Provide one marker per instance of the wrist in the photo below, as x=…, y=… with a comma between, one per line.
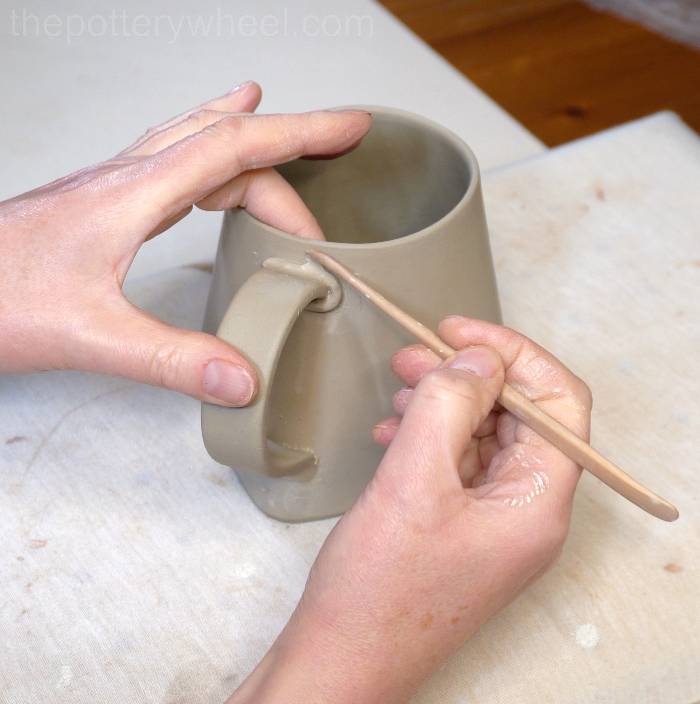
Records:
x=313, y=663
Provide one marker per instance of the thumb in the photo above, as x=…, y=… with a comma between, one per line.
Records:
x=130, y=343
x=447, y=407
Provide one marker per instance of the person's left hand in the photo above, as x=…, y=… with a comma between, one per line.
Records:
x=66, y=247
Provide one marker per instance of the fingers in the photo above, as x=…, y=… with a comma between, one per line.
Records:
x=515, y=451
x=189, y=125
x=196, y=166
x=267, y=195
x=403, y=397
x=528, y=470
x=412, y=363
x=125, y=341
x=531, y=369
x=243, y=98
x=447, y=407
x=264, y=192
x=401, y=400
x=385, y=431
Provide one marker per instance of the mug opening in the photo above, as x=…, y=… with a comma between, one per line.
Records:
x=405, y=176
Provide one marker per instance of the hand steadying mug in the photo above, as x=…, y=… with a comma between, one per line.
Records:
x=468, y=505
x=66, y=247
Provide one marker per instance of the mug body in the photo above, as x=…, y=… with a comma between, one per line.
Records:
x=405, y=212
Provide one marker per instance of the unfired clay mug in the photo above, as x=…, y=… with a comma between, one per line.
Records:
x=405, y=212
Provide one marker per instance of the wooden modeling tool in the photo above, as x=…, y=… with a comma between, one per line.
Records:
x=520, y=406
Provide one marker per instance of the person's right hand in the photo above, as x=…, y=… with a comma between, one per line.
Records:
x=66, y=247
x=467, y=507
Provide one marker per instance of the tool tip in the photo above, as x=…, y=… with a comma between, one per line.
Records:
x=668, y=513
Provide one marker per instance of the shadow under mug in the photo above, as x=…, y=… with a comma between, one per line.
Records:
x=404, y=211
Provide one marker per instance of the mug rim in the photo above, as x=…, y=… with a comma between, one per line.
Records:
x=457, y=142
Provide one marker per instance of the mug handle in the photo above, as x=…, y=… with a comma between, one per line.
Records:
x=258, y=322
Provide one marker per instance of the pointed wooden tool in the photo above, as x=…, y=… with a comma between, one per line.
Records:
x=520, y=406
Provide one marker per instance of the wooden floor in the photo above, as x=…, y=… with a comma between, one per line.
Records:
x=560, y=68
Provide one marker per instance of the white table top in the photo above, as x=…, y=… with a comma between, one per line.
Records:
x=136, y=569
x=78, y=97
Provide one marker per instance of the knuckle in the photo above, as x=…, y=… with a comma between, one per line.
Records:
x=583, y=393
x=76, y=190
x=407, y=357
x=445, y=385
x=204, y=117
x=232, y=132
x=165, y=365
x=546, y=372
x=229, y=127
x=539, y=368
x=398, y=399
x=514, y=336
x=149, y=133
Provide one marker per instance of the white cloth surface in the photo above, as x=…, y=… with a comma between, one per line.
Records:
x=135, y=569
x=89, y=77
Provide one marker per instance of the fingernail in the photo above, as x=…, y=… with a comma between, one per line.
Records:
x=412, y=351
x=379, y=432
x=240, y=86
x=355, y=111
x=228, y=382
x=477, y=360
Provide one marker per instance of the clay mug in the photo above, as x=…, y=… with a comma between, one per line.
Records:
x=404, y=211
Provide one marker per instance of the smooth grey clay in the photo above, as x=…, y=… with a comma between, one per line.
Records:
x=405, y=212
